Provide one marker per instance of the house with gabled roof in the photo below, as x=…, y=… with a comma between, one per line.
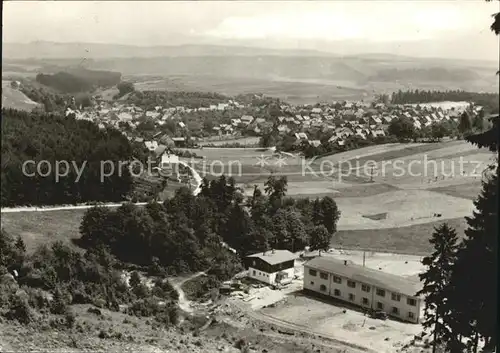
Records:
x=271, y=267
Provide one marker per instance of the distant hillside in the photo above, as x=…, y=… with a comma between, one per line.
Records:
x=15, y=99
x=51, y=50
x=289, y=74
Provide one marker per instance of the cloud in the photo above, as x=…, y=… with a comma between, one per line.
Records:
x=377, y=21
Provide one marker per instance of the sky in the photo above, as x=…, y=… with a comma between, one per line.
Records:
x=454, y=27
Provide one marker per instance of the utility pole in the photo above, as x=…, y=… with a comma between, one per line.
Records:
x=364, y=256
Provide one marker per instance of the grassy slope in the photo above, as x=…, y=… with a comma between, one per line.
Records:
x=37, y=228
x=15, y=99
x=413, y=239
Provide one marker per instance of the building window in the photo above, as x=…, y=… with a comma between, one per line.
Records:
x=411, y=301
x=312, y=283
x=351, y=284
x=337, y=279
x=323, y=275
x=254, y=272
x=380, y=292
x=322, y=288
x=365, y=288
x=396, y=297
x=411, y=315
x=336, y=292
x=365, y=301
x=395, y=310
x=380, y=306
x=312, y=272
x=351, y=297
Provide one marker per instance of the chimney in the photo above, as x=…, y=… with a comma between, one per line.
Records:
x=345, y=262
x=273, y=251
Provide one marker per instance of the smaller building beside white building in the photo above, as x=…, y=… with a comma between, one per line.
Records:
x=271, y=267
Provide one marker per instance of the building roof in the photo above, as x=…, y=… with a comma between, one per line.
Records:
x=279, y=256
x=366, y=275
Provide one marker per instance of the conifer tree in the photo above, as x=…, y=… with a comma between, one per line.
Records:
x=435, y=281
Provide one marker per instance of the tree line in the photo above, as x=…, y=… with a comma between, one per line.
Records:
x=48, y=137
x=460, y=283
x=182, y=234
x=487, y=100
x=150, y=99
x=79, y=80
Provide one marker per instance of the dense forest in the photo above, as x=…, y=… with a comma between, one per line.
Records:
x=170, y=99
x=46, y=137
x=55, y=102
x=487, y=100
x=178, y=234
x=79, y=80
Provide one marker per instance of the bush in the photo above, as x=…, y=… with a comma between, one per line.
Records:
x=20, y=310
x=70, y=319
x=144, y=307
x=164, y=290
x=38, y=298
x=59, y=305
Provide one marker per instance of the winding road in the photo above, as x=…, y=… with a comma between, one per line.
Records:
x=183, y=302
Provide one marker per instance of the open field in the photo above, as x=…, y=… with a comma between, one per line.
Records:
x=294, y=91
x=412, y=239
x=351, y=326
x=402, y=208
x=15, y=99
x=466, y=191
x=246, y=141
x=37, y=228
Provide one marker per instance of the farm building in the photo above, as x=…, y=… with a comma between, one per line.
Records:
x=271, y=266
x=364, y=287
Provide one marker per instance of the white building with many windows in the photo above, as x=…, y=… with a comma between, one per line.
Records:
x=364, y=287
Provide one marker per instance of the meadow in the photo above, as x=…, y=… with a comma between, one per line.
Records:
x=15, y=99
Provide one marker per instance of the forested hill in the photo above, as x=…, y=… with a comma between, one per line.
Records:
x=51, y=138
x=488, y=100
x=79, y=80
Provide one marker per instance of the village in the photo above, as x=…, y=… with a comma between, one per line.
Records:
x=338, y=121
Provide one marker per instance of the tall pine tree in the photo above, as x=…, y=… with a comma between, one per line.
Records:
x=435, y=281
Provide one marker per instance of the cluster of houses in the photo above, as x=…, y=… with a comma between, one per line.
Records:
x=338, y=119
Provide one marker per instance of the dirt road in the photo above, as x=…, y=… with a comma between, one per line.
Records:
x=184, y=303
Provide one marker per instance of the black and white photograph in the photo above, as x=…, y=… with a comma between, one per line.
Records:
x=250, y=176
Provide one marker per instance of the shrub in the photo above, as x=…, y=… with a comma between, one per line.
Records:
x=37, y=298
x=144, y=307
x=70, y=319
x=20, y=310
x=163, y=289
x=59, y=304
